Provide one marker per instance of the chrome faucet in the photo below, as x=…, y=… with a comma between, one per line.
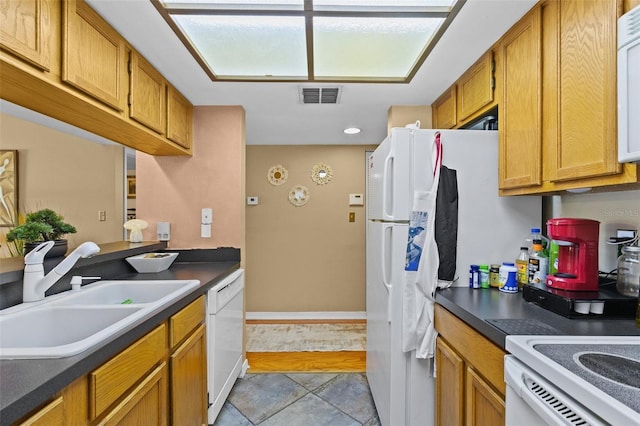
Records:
x=35, y=282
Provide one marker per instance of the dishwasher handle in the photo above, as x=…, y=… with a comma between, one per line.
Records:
x=223, y=292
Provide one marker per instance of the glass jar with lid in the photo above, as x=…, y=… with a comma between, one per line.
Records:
x=628, y=281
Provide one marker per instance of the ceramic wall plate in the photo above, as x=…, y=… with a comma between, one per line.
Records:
x=299, y=195
x=277, y=175
x=321, y=173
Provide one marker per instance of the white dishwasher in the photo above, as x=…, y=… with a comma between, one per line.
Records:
x=225, y=327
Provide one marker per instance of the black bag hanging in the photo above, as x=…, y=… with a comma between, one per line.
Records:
x=446, y=223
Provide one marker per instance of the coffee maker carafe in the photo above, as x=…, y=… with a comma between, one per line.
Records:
x=578, y=254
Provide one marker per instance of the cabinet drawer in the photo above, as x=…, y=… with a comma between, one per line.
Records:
x=109, y=382
x=182, y=323
x=485, y=357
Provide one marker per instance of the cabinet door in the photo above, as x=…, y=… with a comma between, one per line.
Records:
x=144, y=405
x=51, y=414
x=147, y=97
x=93, y=55
x=179, y=118
x=475, y=87
x=449, y=385
x=444, y=110
x=189, y=381
x=25, y=27
x=520, y=139
x=483, y=405
x=586, y=103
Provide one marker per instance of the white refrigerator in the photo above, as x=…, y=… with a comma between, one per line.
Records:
x=490, y=230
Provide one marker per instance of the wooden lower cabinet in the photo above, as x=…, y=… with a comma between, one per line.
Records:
x=470, y=388
x=484, y=406
x=188, y=380
x=449, y=385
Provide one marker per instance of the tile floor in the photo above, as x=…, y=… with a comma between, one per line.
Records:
x=310, y=399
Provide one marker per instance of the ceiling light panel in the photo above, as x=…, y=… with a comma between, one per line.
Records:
x=309, y=40
x=370, y=48
x=249, y=46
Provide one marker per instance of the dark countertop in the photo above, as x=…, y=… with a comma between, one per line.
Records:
x=476, y=306
x=27, y=383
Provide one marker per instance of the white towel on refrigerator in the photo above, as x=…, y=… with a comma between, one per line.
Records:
x=421, y=268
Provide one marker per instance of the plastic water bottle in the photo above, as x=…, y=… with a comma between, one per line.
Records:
x=537, y=235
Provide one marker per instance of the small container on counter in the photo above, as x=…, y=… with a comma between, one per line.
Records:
x=474, y=276
x=494, y=276
x=508, y=281
x=484, y=276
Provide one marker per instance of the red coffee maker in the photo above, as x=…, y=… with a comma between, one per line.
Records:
x=577, y=240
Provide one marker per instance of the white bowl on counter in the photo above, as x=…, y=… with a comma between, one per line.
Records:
x=152, y=262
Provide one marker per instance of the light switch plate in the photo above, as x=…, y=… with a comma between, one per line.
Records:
x=252, y=201
x=207, y=216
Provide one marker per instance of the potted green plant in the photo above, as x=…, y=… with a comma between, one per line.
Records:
x=42, y=225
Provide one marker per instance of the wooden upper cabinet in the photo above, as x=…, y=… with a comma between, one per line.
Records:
x=25, y=30
x=586, y=99
x=179, y=118
x=93, y=55
x=520, y=139
x=147, y=97
x=444, y=110
x=475, y=87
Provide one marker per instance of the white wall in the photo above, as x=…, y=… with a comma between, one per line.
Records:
x=614, y=210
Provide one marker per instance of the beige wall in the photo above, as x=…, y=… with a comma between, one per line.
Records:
x=176, y=189
x=309, y=258
x=68, y=174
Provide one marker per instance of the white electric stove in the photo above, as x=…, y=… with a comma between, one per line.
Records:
x=573, y=380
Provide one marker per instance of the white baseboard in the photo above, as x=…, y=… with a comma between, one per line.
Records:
x=329, y=315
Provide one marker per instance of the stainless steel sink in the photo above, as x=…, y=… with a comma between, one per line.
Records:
x=72, y=322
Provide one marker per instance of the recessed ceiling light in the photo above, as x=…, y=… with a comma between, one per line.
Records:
x=352, y=130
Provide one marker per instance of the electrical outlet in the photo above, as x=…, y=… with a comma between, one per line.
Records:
x=102, y=215
x=352, y=216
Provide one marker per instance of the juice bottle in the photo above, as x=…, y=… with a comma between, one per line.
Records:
x=522, y=266
x=538, y=264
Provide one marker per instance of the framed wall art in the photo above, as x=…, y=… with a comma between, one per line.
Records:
x=8, y=187
x=131, y=187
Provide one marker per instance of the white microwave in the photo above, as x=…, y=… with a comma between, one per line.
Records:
x=629, y=86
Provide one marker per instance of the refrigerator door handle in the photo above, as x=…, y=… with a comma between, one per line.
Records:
x=387, y=258
x=387, y=186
